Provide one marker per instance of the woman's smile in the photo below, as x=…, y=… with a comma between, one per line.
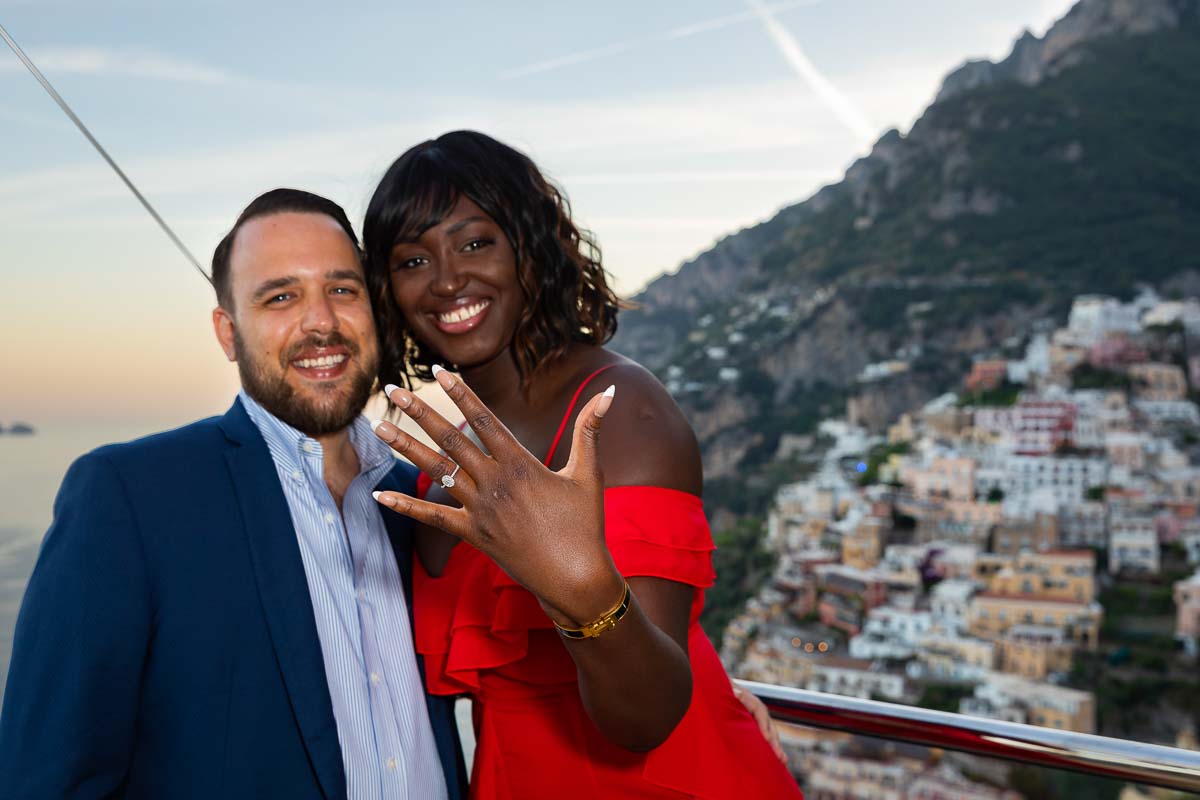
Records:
x=466, y=314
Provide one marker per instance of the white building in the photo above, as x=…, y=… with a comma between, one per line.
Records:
x=1169, y=312
x=1189, y=537
x=945, y=781
x=1168, y=412
x=1083, y=524
x=1036, y=362
x=1014, y=699
x=856, y=678
x=949, y=602
x=890, y=633
x=1066, y=478
x=1132, y=543
x=1095, y=316
x=1109, y=409
x=951, y=657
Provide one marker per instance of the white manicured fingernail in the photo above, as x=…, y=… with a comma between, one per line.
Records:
x=442, y=376
x=376, y=494
x=605, y=401
x=391, y=387
x=437, y=370
x=375, y=423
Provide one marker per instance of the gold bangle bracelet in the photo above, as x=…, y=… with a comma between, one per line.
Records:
x=606, y=621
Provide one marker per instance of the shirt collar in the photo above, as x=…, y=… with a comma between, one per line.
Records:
x=291, y=445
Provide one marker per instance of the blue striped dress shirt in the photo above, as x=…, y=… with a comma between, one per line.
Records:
x=383, y=727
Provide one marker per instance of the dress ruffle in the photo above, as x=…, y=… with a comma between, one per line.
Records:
x=461, y=629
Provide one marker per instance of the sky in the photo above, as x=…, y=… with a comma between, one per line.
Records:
x=669, y=125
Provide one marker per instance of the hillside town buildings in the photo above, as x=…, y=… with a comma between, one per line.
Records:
x=973, y=554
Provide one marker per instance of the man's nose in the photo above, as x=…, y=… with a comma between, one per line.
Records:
x=320, y=316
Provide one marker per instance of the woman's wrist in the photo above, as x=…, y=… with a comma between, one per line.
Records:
x=586, y=604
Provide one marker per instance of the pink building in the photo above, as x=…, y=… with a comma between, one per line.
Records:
x=1036, y=427
x=1116, y=350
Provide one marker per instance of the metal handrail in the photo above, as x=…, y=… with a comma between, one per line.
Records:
x=1119, y=759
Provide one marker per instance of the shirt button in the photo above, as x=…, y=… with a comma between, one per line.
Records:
x=309, y=447
x=328, y=517
x=297, y=475
x=390, y=763
x=375, y=679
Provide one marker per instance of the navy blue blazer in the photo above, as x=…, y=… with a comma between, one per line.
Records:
x=166, y=646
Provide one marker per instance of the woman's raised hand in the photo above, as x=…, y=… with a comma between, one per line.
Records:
x=544, y=528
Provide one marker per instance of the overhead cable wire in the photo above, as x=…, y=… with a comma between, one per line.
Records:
x=37, y=73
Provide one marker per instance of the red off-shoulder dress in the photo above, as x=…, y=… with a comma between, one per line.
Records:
x=482, y=634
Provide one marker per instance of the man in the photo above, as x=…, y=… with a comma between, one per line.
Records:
x=220, y=611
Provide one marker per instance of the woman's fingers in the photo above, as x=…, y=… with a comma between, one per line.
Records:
x=453, y=442
x=763, y=717
x=585, y=456
x=441, y=469
x=453, y=521
x=491, y=431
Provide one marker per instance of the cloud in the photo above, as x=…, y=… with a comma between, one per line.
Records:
x=679, y=32
x=551, y=64
x=837, y=102
x=105, y=61
x=665, y=137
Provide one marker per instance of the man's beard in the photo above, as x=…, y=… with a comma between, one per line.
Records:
x=272, y=391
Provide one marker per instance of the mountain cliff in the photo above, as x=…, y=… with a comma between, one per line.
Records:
x=1071, y=166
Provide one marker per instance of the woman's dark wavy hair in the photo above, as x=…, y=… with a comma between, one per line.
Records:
x=566, y=291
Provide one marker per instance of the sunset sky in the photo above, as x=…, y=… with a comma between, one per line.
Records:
x=669, y=125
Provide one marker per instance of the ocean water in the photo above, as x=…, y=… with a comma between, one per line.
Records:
x=31, y=468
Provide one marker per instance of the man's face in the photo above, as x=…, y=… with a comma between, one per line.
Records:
x=300, y=329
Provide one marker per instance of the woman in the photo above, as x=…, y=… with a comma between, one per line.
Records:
x=570, y=613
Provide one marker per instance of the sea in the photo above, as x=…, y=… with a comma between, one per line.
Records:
x=31, y=468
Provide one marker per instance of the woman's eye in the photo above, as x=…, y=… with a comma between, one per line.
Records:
x=410, y=263
x=476, y=244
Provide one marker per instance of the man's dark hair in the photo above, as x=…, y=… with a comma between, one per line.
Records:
x=276, y=201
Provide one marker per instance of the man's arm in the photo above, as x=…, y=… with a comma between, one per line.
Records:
x=70, y=707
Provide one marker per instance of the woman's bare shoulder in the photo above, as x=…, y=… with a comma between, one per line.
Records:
x=645, y=440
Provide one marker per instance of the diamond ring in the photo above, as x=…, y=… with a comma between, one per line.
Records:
x=448, y=480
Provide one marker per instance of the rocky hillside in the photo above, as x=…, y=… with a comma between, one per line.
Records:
x=1072, y=166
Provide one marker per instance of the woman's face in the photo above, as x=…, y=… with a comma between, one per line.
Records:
x=457, y=286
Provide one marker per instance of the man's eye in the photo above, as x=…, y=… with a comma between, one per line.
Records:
x=279, y=298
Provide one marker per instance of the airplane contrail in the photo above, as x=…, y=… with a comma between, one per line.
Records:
x=678, y=32
x=842, y=106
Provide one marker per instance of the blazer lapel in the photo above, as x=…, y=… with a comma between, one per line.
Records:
x=283, y=590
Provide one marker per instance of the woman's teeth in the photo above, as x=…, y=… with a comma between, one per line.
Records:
x=323, y=361
x=463, y=314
